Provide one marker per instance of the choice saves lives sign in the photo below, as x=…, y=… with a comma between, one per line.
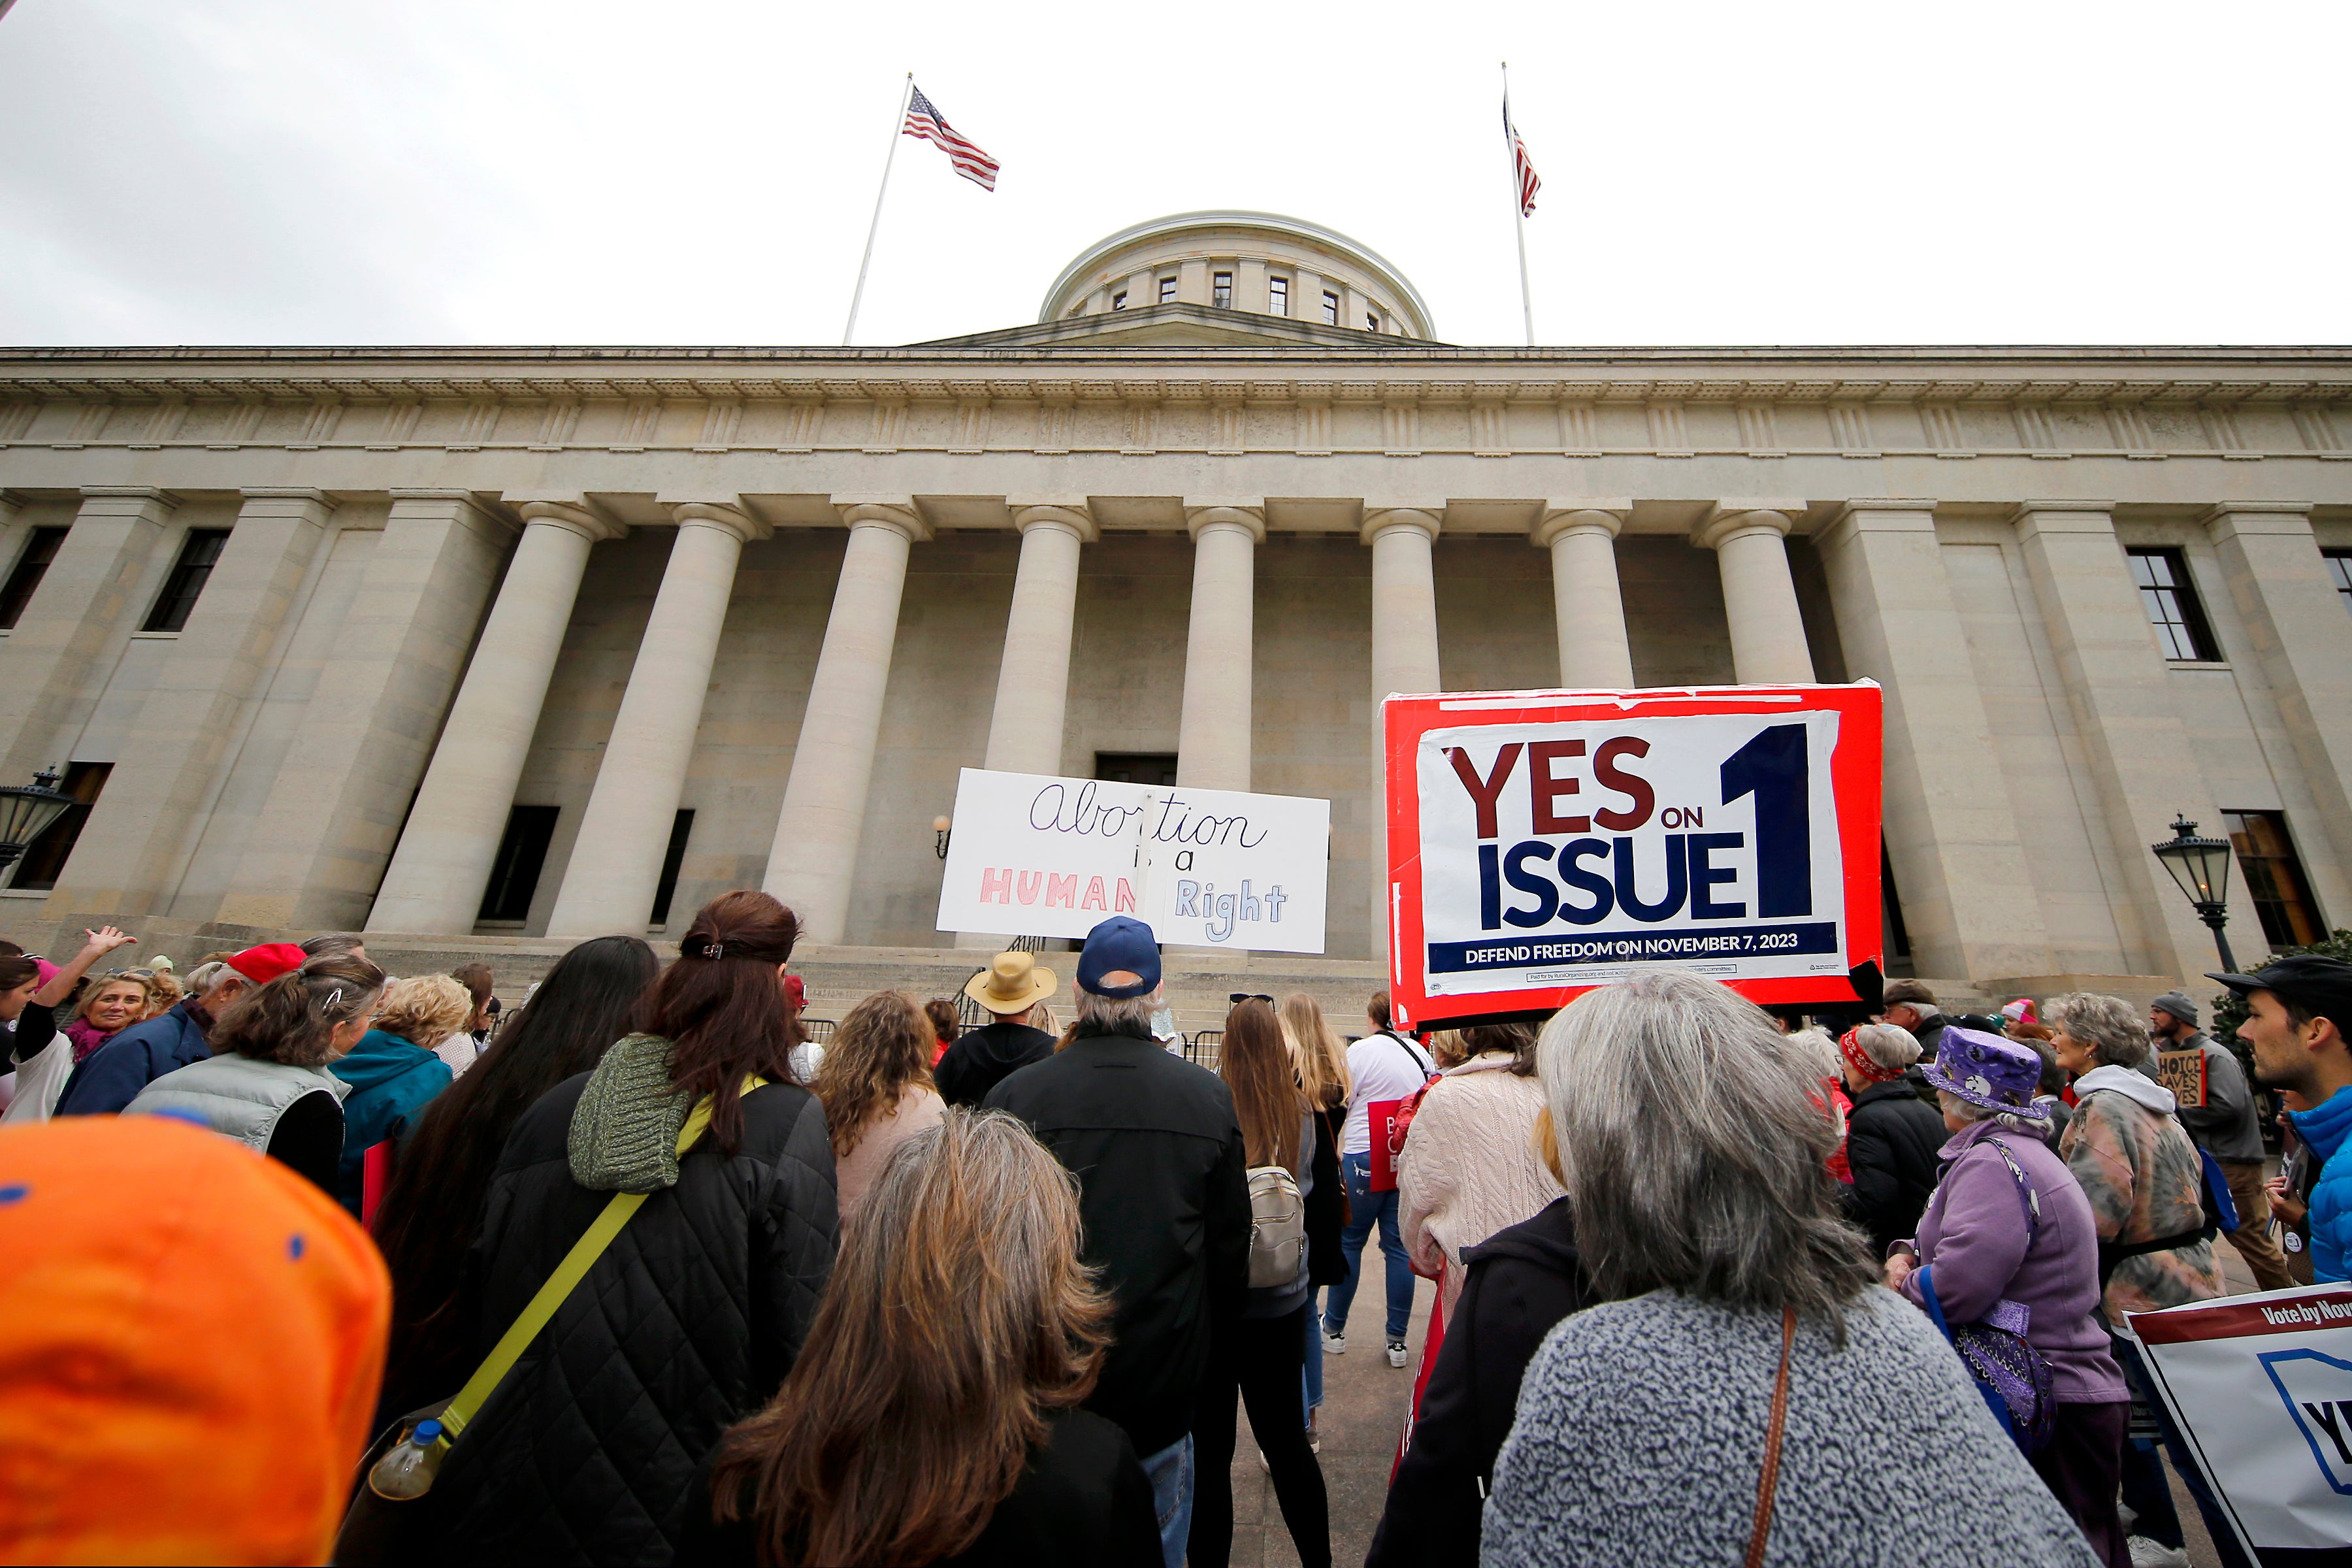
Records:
x=1039, y=856
x=1544, y=843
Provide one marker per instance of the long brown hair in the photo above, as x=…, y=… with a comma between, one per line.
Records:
x=294, y=1017
x=1322, y=1054
x=884, y=1045
x=1256, y=1067
x=958, y=1313
x=722, y=1006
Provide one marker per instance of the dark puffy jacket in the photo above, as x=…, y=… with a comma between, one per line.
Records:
x=589, y=1450
x=1327, y=1203
x=111, y=1077
x=984, y=1057
x=1165, y=1200
x=1891, y=1143
x=1521, y=1280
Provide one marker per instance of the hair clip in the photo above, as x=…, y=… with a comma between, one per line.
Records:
x=714, y=950
x=334, y=996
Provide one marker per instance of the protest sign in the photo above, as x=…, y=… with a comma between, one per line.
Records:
x=1541, y=843
x=2261, y=1387
x=1038, y=855
x=2182, y=1072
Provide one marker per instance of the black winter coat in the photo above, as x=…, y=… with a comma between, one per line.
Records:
x=1164, y=1197
x=982, y=1059
x=1891, y=1140
x=1520, y=1282
x=1327, y=1203
x=591, y=1448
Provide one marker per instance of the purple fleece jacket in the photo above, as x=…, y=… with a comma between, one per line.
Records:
x=1974, y=1234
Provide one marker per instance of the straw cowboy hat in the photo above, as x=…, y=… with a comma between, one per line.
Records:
x=1011, y=983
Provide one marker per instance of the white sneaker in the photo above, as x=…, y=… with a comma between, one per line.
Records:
x=1334, y=1344
x=2147, y=1554
x=1396, y=1357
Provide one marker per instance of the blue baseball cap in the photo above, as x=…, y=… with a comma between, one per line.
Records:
x=1122, y=958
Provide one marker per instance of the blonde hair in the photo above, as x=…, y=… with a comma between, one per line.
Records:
x=427, y=1009
x=146, y=988
x=1322, y=1058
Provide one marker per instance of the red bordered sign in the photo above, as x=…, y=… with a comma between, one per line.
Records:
x=1542, y=843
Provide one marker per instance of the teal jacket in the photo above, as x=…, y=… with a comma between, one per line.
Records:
x=392, y=1082
x=2328, y=1129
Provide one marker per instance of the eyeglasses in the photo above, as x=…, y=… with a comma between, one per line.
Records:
x=1238, y=997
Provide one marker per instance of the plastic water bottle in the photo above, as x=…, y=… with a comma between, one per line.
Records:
x=407, y=1469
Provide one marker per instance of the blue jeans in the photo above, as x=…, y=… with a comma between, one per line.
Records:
x=1171, y=1471
x=1365, y=1207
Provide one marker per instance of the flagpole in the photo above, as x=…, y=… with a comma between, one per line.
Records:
x=897, y=125
x=1518, y=208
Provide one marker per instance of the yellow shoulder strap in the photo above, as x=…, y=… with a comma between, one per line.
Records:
x=561, y=1284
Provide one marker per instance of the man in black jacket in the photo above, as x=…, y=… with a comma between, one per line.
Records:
x=1010, y=988
x=1892, y=1135
x=1521, y=1280
x=1164, y=1197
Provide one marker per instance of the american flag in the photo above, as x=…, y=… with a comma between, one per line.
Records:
x=1528, y=184
x=929, y=123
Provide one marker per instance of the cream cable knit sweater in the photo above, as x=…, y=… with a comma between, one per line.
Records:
x=1470, y=1166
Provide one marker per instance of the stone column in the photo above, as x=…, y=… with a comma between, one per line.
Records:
x=1760, y=599
x=1404, y=656
x=2133, y=743
x=78, y=616
x=617, y=858
x=1213, y=733
x=2303, y=640
x=1968, y=894
x=1591, y=612
x=1033, y=684
x=323, y=837
x=443, y=864
x=135, y=847
x=814, y=856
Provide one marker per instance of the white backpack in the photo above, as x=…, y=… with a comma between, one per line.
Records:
x=1278, y=1227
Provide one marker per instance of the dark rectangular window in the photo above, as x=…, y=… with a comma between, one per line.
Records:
x=1221, y=290
x=45, y=857
x=2340, y=572
x=2170, y=601
x=1277, y=291
x=1167, y=290
x=1331, y=309
x=1155, y=768
x=673, y=858
x=198, y=554
x=1371, y=322
x=2274, y=878
x=1118, y=301
x=522, y=855
x=1890, y=906
x=31, y=567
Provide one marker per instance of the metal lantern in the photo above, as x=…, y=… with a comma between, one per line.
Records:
x=26, y=810
x=941, y=831
x=2201, y=866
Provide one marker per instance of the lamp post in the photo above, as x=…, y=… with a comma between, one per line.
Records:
x=2201, y=866
x=26, y=810
x=941, y=831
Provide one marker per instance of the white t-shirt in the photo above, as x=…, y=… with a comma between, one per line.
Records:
x=1380, y=1066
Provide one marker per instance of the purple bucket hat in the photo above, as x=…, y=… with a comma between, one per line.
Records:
x=1987, y=1071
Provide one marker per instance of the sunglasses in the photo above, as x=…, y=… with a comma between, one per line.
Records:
x=130, y=974
x=1238, y=997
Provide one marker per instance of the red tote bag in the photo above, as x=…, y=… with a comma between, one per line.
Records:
x=1389, y=1121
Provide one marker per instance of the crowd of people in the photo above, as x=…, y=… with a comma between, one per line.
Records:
x=645, y=1276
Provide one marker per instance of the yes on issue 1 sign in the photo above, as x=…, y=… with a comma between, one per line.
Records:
x=1544, y=843
x=1040, y=855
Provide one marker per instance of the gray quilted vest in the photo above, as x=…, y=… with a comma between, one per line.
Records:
x=236, y=1096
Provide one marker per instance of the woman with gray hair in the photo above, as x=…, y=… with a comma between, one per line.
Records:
x=1741, y=1320
x=1892, y=1135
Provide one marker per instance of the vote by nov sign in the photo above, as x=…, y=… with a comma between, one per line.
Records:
x=1542, y=843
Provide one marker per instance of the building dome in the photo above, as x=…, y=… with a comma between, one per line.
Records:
x=1260, y=264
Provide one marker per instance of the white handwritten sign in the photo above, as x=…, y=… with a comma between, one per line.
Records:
x=1038, y=855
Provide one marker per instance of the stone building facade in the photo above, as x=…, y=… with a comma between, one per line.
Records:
x=451, y=641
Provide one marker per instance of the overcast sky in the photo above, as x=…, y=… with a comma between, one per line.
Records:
x=702, y=172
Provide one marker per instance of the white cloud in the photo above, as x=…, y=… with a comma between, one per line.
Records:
x=490, y=171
